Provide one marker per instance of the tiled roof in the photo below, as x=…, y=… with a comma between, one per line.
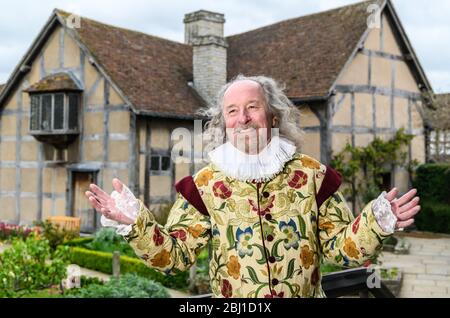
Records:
x=153, y=73
x=54, y=82
x=439, y=118
x=306, y=53
x=445, y=96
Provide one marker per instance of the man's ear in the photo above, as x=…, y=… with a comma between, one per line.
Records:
x=274, y=121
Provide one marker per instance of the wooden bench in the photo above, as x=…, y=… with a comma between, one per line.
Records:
x=68, y=223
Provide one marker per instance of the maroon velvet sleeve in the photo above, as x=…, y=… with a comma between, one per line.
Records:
x=330, y=185
x=187, y=188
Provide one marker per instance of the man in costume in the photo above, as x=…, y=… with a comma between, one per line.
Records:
x=271, y=213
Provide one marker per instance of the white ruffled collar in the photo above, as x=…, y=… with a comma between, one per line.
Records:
x=260, y=167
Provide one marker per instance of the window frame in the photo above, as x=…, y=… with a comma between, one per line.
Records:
x=52, y=130
x=439, y=143
x=160, y=159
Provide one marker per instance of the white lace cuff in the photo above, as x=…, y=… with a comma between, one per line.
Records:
x=127, y=203
x=386, y=219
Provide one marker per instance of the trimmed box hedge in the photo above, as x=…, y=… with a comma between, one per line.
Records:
x=102, y=262
x=79, y=242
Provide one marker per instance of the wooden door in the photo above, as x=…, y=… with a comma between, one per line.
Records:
x=80, y=204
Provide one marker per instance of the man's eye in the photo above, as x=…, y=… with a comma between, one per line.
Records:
x=231, y=111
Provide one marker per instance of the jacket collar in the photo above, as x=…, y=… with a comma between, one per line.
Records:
x=261, y=167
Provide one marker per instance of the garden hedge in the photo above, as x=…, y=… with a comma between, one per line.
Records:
x=78, y=241
x=102, y=262
x=433, y=185
x=433, y=182
x=433, y=217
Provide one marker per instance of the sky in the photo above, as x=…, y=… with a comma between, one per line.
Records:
x=426, y=23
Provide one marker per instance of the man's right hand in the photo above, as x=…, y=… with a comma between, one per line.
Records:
x=105, y=204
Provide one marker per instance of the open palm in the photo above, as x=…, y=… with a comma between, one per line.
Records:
x=404, y=208
x=105, y=204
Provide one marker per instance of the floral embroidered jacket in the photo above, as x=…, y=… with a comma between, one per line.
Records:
x=267, y=238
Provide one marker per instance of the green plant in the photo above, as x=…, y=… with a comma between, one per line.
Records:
x=433, y=217
x=102, y=261
x=107, y=240
x=86, y=281
x=389, y=273
x=80, y=241
x=56, y=292
x=44, y=293
x=202, y=280
x=330, y=268
x=389, y=244
x=126, y=286
x=54, y=234
x=29, y=265
x=364, y=167
x=433, y=183
x=89, y=255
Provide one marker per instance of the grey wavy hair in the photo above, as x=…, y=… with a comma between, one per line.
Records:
x=278, y=104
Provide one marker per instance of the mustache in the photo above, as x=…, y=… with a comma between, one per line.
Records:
x=245, y=127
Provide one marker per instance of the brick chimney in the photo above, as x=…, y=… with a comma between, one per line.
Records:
x=204, y=31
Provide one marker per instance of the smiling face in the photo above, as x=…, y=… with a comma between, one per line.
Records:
x=247, y=118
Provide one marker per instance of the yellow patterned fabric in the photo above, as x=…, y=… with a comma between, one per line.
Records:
x=267, y=238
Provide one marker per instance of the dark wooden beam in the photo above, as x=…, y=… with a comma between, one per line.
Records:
x=337, y=105
x=381, y=33
x=18, y=150
x=69, y=193
x=324, y=114
x=368, y=130
x=374, y=115
x=384, y=55
x=172, y=169
x=148, y=148
x=352, y=114
x=378, y=90
x=105, y=121
x=133, y=160
x=392, y=97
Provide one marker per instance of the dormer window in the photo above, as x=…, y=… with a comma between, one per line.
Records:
x=55, y=104
x=54, y=113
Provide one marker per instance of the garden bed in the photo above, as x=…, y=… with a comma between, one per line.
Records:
x=96, y=253
x=34, y=264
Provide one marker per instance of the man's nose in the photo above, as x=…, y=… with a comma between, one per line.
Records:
x=244, y=117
